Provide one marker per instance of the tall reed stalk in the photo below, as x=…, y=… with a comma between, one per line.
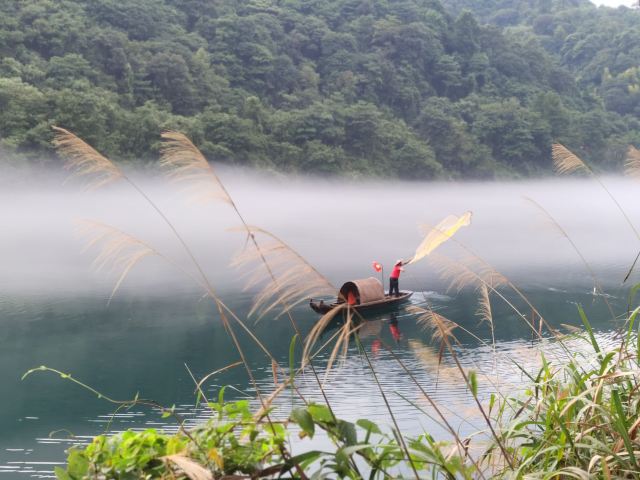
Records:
x=567, y=162
x=86, y=162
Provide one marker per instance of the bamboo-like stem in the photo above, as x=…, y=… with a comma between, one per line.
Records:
x=186, y=161
x=88, y=162
x=180, y=154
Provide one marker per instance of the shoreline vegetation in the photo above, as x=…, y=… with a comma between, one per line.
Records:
x=576, y=419
x=409, y=89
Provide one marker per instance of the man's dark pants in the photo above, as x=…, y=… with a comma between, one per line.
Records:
x=393, y=286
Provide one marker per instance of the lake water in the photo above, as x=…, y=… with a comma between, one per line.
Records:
x=54, y=312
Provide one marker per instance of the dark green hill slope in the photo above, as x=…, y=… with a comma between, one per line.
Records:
x=599, y=46
x=382, y=87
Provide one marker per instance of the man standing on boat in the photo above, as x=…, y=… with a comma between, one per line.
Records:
x=395, y=276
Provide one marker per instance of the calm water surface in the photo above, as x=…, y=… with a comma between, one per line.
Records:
x=53, y=307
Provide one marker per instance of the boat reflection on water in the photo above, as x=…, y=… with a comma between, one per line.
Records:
x=394, y=329
x=371, y=328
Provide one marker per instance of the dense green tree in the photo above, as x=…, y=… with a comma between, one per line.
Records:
x=22, y=106
x=50, y=27
x=62, y=71
x=141, y=19
x=408, y=88
x=517, y=136
x=451, y=141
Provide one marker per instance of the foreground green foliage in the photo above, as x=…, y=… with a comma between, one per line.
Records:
x=401, y=88
x=581, y=418
x=230, y=442
x=233, y=442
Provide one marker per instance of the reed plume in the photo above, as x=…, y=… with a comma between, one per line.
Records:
x=118, y=251
x=342, y=335
x=341, y=347
x=565, y=161
x=484, y=306
x=460, y=275
x=190, y=468
x=467, y=272
x=431, y=360
x=441, y=328
x=572, y=329
x=484, y=310
x=632, y=162
x=85, y=161
x=289, y=280
x=501, y=279
x=186, y=165
x=485, y=313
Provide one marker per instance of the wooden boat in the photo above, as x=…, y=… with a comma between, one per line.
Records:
x=363, y=295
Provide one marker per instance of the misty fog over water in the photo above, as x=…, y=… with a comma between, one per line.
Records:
x=339, y=226
x=53, y=304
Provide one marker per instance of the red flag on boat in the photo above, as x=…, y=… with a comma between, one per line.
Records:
x=377, y=267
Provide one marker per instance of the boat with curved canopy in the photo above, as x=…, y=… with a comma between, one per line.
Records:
x=362, y=295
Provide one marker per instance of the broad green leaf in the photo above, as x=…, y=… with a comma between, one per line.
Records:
x=221, y=396
x=61, y=474
x=320, y=413
x=305, y=457
x=587, y=325
x=356, y=448
x=348, y=432
x=368, y=425
x=77, y=464
x=473, y=382
x=304, y=419
x=292, y=358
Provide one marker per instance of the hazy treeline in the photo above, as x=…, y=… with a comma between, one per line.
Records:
x=401, y=88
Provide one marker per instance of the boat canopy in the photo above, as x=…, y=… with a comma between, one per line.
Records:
x=365, y=290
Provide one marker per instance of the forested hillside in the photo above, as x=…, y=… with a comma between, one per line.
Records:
x=600, y=46
x=407, y=88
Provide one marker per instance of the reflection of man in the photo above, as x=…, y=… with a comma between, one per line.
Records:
x=375, y=347
x=394, y=328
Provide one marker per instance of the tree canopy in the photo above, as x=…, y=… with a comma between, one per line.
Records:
x=404, y=88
